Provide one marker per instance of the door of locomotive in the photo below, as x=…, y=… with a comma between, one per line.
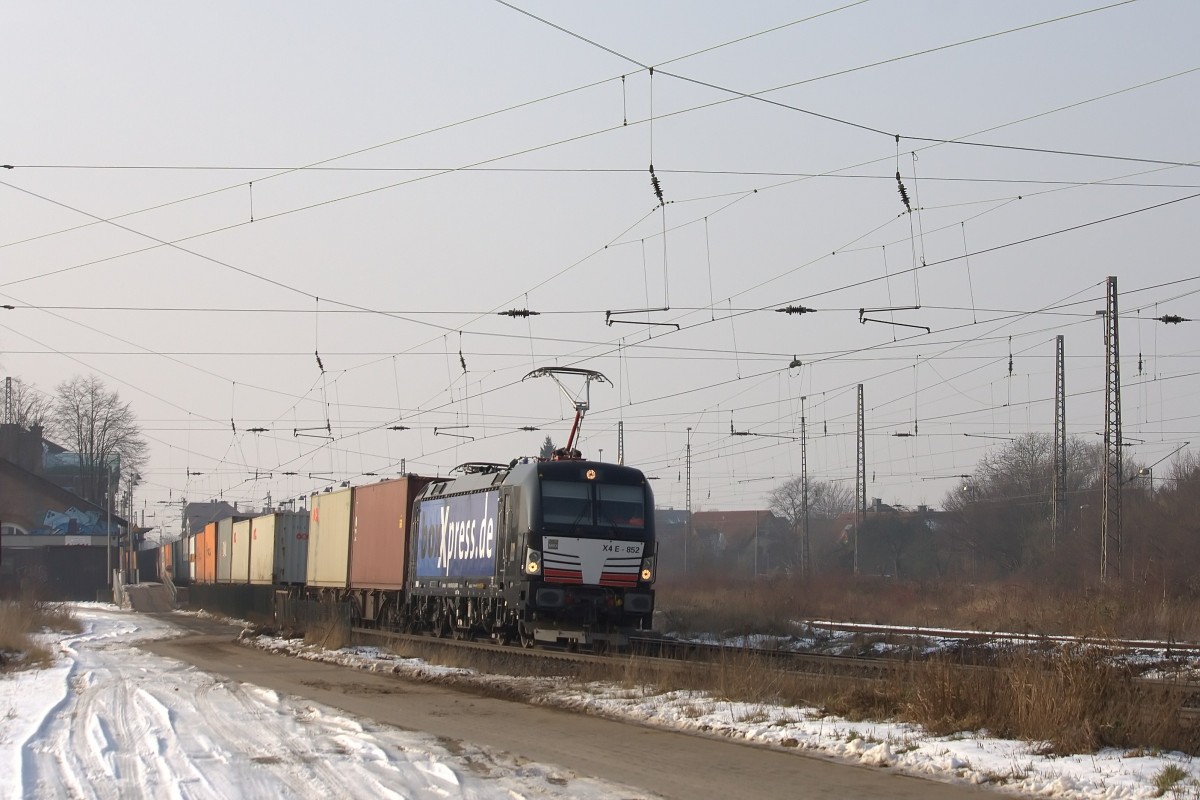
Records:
x=509, y=560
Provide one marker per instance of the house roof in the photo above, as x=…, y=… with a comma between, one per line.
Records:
x=200, y=514
x=739, y=525
x=51, y=489
x=670, y=516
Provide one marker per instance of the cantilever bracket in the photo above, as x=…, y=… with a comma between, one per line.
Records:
x=864, y=319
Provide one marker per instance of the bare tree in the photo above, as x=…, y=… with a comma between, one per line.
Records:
x=826, y=500
x=92, y=421
x=1000, y=519
x=30, y=406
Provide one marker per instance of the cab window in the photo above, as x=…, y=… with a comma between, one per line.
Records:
x=566, y=503
x=622, y=506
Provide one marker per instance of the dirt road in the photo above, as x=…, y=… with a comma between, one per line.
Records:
x=671, y=764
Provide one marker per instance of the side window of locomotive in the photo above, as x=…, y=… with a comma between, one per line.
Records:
x=622, y=506
x=566, y=503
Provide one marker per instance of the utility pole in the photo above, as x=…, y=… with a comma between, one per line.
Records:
x=860, y=478
x=688, y=532
x=1059, y=495
x=805, y=553
x=1110, y=516
x=757, y=519
x=108, y=523
x=9, y=412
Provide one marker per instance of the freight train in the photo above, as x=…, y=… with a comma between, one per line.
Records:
x=552, y=551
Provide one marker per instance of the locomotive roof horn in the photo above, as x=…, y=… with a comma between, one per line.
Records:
x=581, y=406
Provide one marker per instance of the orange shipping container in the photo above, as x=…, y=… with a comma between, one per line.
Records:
x=206, y=554
x=379, y=533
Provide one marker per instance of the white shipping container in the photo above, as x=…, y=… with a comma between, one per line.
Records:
x=329, y=539
x=191, y=558
x=279, y=548
x=239, y=568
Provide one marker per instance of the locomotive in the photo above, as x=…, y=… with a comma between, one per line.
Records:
x=558, y=550
x=554, y=551
x=551, y=551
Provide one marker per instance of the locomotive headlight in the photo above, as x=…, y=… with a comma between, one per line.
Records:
x=533, y=562
x=647, y=573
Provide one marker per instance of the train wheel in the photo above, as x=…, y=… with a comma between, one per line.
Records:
x=506, y=635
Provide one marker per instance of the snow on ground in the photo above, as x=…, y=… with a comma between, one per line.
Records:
x=1149, y=658
x=111, y=722
x=1004, y=765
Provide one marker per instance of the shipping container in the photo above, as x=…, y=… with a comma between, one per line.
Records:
x=166, y=562
x=196, y=551
x=239, y=569
x=379, y=533
x=279, y=548
x=329, y=539
x=191, y=558
x=206, y=554
x=181, y=560
x=225, y=548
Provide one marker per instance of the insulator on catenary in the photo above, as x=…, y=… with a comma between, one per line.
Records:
x=462, y=361
x=1172, y=319
x=518, y=312
x=320, y=366
x=903, y=193
x=795, y=310
x=656, y=186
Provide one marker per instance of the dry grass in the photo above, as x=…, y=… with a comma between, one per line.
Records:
x=773, y=606
x=19, y=620
x=1168, y=778
x=332, y=633
x=1071, y=699
x=1068, y=700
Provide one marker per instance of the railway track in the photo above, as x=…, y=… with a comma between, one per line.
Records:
x=665, y=656
x=1170, y=648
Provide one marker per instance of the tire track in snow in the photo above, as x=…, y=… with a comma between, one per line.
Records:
x=133, y=725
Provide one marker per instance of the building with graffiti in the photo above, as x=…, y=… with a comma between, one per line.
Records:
x=53, y=542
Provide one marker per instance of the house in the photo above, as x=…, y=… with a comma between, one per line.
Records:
x=52, y=541
x=200, y=514
x=894, y=541
x=747, y=543
x=670, y=528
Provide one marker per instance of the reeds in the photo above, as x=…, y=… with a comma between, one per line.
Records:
x=19, y=621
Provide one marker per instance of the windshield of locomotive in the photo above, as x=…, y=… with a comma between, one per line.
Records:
x=606, y=506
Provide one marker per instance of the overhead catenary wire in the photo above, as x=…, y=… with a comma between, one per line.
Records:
x=712, y=314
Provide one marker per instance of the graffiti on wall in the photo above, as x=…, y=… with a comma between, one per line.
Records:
x=73, y=521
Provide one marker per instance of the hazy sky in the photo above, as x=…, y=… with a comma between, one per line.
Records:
x=206, y=195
